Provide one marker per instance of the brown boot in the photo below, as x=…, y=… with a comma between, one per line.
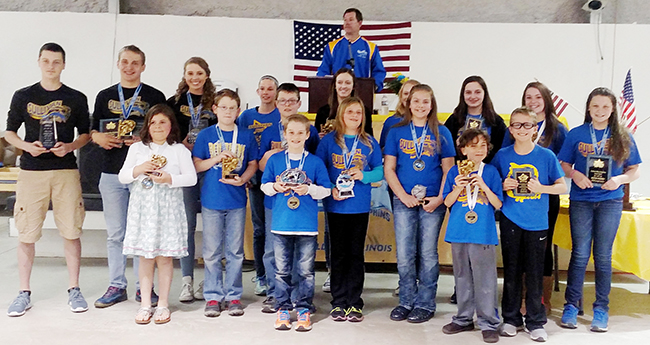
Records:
x=546, y=293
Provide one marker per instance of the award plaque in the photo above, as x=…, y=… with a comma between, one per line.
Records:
x=47, y=135
x=599, y=169
x=228, y=165
x=293, y=177
x=121, y=129
x=345, y=185
x=473, y=123
x=194, y=131
x=522, y=175
x=420, y=192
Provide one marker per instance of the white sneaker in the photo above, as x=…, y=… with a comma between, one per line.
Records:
x=537, y=334
x=198, y=294
x=508, y=330
x=187, y=290
x=326, y=285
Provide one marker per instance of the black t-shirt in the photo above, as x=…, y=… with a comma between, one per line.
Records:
x=323, y=113
x=183, y=115
x=69, y=108
x=107, y=106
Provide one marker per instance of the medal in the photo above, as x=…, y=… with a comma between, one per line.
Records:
x=147, y=183
x=195, y=116
x=293, y=202
x=472, y=197
x=418, y=143
x=191, y=136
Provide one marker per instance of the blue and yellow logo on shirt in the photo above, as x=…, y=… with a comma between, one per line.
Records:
x=408, y=147
x=586, y=149
x=358, y=160
x=60, y=112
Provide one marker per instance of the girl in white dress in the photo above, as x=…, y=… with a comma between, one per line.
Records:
x=156, y=228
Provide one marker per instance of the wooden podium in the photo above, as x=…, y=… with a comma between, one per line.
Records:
x=319, y=91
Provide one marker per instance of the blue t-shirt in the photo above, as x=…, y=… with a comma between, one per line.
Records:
x=216, y=195
x=271, y=140
x=400, y=145
x=528, y=212
x=484, y=231
x=304, y=219
x=256, y=122
x=575, y=150
x=388, y=124
x=556, y=143
x=332, y=155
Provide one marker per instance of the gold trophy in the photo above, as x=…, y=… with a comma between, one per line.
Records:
x=465, y=167
x=159, y=161
x=327, y=127
x=125, y=127
x=228, y=165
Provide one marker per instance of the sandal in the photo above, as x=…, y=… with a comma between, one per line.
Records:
x=143, y=316
x=161, y=312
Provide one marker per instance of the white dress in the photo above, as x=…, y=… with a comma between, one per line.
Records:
x=156, y=224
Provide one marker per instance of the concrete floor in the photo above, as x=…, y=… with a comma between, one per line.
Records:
x=51, y=322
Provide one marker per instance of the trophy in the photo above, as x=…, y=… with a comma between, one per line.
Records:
x=599, y=169
x=293, y=177
x=522, y=176
x=420, y=192
x=228, y=165
x=465, y=167
x=328, y=126
x=159, y=161
x=345, y=185
x=47, y=134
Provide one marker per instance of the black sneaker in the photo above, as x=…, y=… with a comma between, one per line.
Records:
x=112, y=296
x=354, y=314
x=453, y=328
x=154, y=297
x=337, y=314
x=268, y=306
x=212, y=309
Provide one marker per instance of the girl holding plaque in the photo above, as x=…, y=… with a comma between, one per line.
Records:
x=343, y=86
x=475, y=110
x=353, y=159
x=473, y=192
x=418, y=153
x=192, y=105
x=156, y=226
x=550, y=134
x=228, y=156
x=529, y=173
x=403, y=94
x=599, y=156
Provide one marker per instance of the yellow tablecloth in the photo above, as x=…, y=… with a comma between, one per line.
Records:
x=631, y=251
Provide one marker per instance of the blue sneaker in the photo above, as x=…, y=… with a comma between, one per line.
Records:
x=599, y=323
x=154, y=298
x=76, y=300
x=112, y=296
x=570, y=317
x=20, y=305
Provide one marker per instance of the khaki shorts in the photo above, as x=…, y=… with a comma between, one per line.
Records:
x=33, y=192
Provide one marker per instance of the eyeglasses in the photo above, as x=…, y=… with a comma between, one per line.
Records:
x=224, y=108
x=288, y=101
x=526, y=125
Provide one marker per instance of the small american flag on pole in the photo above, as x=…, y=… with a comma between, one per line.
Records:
x=626, y=102
x=393, y=40
x=559, y=104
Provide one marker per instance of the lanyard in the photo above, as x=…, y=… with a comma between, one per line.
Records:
x=302, y=159
x=419, y=143
x=233, y=146
x=348, y=157
x=196, y=115
x=540, y=131
x=127, y=111
x=472, y=197
x=598, y=147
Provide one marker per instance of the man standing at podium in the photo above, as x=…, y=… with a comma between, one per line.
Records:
x=354, y=52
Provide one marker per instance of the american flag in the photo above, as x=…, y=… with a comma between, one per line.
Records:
x=626, y=102
x=393, y=40
x=559, y=103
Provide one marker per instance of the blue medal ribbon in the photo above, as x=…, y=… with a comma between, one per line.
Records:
x=127, y=111
x=418, y=143
x=195, y=115
x=598, y=148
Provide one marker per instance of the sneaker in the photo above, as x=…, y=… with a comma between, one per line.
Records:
x=112, y=296
x=508, y=330
x=76, y=300
x=354, y=315
x=187, y=290
x=338, y=314
x=569, y=317
x=538, y=334
x=304, y=320
x=260, y=286
x=20, y=305
x=198, y=293
x=326, y=284
x=283, y=321
x=235, y=308
x=212, y=309
x=268, y=306
x=154, y=297
x=453, y=328
x=599, y=323
x=490, y=336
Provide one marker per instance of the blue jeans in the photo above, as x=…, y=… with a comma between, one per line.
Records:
x=115, y=200
x=293, y=252
x=256, y=199
x=191, y=199
x=223, y=227
x=416, y=238
x=592, y=223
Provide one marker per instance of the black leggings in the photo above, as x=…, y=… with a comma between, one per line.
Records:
x=553, y=211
